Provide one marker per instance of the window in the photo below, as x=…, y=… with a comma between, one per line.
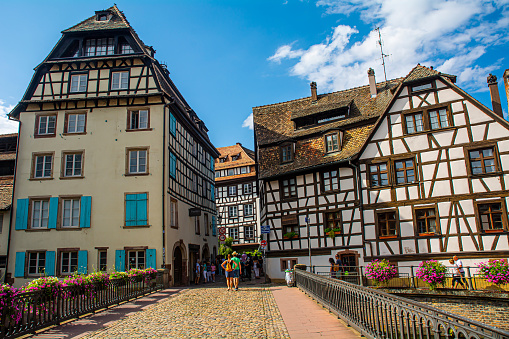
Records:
x=331, y=143
x=197, y=225
x=378, y=175
x=405, y=171
x=42, y=166
x=36, y=263
x=46, y=125
x=232, y=190
x=249, y=232
x=231, y=171
x=126, y=49
x=244, y=169
x=422, y=87
x=333, y=221
x=68, y=262
x=233, y=232
x=75, y=123
x=247, y=188
x=138, y=119
x=136, y=259
x=235, y=157
x=40, y=214
x=330, y=180
x=136, y=209
x=102, y=260
x=286, y=153
x=102, y=17
x=232, y=211
x=414, y=123
x=248, y=210
x=482, y=161
x=174, y=213
x=288, y=188
x=73, y=163
x=1, y=222
x=438, y=118
x=70, y=212
x=491, y=216
x=104, y=46
x=288, y=263
x=138, y=162
x=386, y=222
x=207, y=225
x=426, y=220
x=223, y=159
x=194, y=182
x=78, y=83
x=120, y=80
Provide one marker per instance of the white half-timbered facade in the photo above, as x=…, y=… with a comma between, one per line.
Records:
x=236, y=195
x=114, y=169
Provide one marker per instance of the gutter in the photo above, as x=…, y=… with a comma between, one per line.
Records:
x=163, y=190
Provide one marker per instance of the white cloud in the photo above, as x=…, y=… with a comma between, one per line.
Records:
x=6, y=125
x=449, y=34
x=249, y=122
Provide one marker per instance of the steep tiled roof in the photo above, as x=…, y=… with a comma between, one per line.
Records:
x=321, y=105
x=117, y=21
x=5, y=192
x=246, y=157
x=420, y=72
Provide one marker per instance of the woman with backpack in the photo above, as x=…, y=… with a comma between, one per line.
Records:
x=229, y=265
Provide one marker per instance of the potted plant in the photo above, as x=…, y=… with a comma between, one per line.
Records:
x=495, y=272
x=381, y=271
x=290, y=235
x=432, y=273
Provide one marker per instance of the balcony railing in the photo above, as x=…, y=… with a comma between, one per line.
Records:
x=377, y=314
x=28, y=312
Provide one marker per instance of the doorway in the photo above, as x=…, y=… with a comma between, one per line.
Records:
x=177, y=266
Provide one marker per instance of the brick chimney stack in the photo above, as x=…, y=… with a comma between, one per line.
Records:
x=495, y=96
x=314, y=96
x=506, y=84
x=372, y=82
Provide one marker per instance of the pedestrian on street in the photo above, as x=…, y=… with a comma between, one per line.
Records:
x=332, y=268
x=213, y=271
x=247, y=267
x=256, y=269
x=455, y=275
x=237, y=271
x=459, y=263
x=209, y=272
x=204, y=272
x=339, y=264
x=197, y=272
x=228, y=267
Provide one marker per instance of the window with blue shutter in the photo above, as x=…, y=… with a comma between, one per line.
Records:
x=212, y=163
x=53, y=212
x=49, y=268
x=85, y=213
x=19, y=269
x=136, y=209
x=120, y=260
x=82, y=262
x=21, y=214
x=214, y=225
x=151, y=258
x=173, y=165
x=212, y=192
x=173, y=124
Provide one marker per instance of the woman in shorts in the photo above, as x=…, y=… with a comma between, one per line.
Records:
x=229, y=267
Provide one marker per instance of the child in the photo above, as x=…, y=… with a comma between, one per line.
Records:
x=213, y=269
x=209, y=273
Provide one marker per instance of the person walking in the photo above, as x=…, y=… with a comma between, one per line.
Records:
x=209, y=272
x=237, y=271
x=197, y=272
x=455, y=275
x=228, y=267
x=204, y=272
x=213, y=271
x=332, y=268
x=256, y=268
x=247, y=267
x=459, y=264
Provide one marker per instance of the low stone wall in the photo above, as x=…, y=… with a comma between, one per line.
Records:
x=488, y=307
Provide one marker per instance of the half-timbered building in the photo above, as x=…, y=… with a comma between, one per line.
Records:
x=407, y=169
x=236, y=195
x=115, y=170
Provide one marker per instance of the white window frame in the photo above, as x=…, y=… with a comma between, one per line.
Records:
x=78, y=83
x=136, y=159
x=233, y=232
x=72, y=257
x=232, y=191
x=47, y=165
x=49, y=122
x=233, y=211
x=125, y=48
x=102, y=266
x=248, y=208
x=249, y=234
x=139, y=259
x=120, y=80
x=40, y=263
x=76, y=165
x=138, y=119
x=173, y=213
x=73, y=218
x=41, y=207
x=249, y=190
x=332, y=142
x=76, y=122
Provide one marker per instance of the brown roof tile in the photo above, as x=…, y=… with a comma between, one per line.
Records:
x=246, y=157
x=117, y=21
x=5, y=192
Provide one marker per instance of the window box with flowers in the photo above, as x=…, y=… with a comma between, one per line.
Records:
x=333, y=232
x=290, y=235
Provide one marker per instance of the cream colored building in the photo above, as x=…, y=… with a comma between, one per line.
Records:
x=111, y=163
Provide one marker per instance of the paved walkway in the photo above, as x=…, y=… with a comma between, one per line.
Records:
x=306, y=319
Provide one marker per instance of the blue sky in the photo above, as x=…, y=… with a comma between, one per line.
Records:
x=228, y=56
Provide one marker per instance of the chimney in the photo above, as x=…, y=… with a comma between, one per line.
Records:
x=495, y=96
x=372, y=82
x=314, y=96
x=506, y=84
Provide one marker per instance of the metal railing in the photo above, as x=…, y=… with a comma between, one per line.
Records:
x=28, y=312
x=406, y=278
x=377, y=314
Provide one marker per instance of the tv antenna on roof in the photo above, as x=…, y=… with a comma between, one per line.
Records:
x=381, y=51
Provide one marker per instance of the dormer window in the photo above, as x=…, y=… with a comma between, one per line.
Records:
x=102, y=15
x=223, y=159
x=316, y=115
x=104, y=46
x=422, y=87
x=235, y=157
x=332, y=142
x=286, y=153
x=126, y=49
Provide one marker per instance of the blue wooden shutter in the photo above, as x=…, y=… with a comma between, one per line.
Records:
x=151, y=258
x=173, y=165
x=49, y=268
x=211, y=163
x=53, y=212
x=212, y=192
x=213, y=224
x=130, y=209
x=82, y=262
x=141, y=209
x=19, y=269
x=119, y=260
x=86, y=208
x=173, y=124
x=21, y=214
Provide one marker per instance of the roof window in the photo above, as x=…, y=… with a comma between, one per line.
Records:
x=102, y=16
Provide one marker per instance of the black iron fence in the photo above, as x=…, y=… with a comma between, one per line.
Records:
x=28, y=312
x=406, y=278
x=377, y=314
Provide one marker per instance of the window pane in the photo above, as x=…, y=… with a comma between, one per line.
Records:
x=71, y=124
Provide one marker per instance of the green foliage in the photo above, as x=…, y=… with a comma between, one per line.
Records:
x=226, y=248
x=291, y=235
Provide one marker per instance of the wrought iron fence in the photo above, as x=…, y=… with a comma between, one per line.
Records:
x=406, y=278
x=377, y=314
x=28, y=312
